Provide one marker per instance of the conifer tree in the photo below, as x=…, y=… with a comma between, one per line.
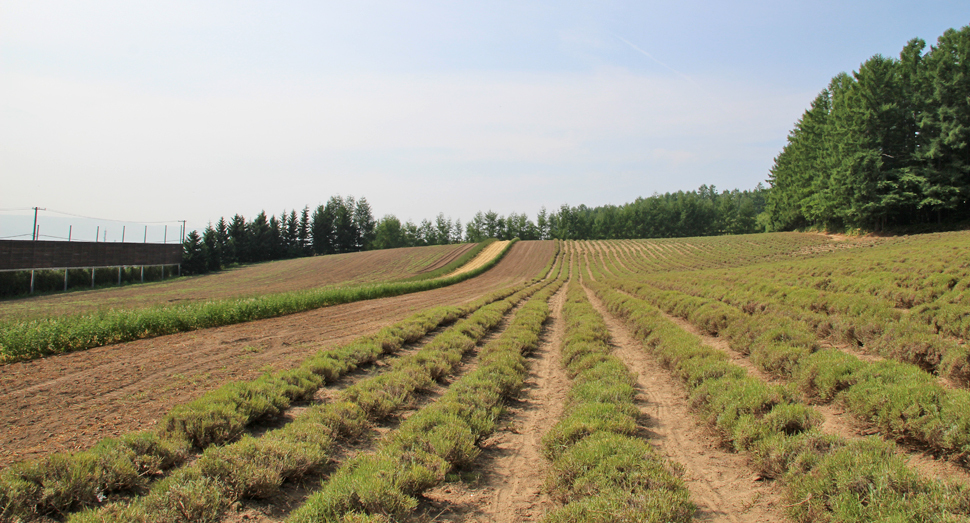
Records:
x=303, y=232
x=212, y=250
x=363, y=224
x=193, y=257
x=322, y=229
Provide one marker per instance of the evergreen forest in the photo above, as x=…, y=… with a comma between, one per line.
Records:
x=885, y=147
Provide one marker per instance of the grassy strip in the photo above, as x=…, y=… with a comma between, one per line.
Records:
x=255, y=468
x=601, y=471
x=898, y=398
x=383, y=486
x=37, y=338
x=826, y=477
x=65, y=482
x=455, y=264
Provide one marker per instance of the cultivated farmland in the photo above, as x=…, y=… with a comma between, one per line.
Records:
x=251, y=280
x=782, y=377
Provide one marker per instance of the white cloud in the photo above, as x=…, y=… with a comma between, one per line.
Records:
x=438, y=137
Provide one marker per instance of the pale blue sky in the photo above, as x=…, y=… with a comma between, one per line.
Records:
x=152, y=111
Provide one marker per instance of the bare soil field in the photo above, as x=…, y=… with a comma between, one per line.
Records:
x=73, y=400
x=250, y=280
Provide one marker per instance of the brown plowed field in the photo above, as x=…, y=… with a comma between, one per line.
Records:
x=73, y=400
x=251, y=280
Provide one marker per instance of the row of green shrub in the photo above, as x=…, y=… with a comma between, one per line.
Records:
x=826, y=478
x=64, y=482
x=35, y=338
x=862, y=320
x=902, y=298
x=257, y=467
x=899, y=399
x=383, y=486
x=601, y=471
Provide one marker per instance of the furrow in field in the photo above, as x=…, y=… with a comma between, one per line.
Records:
x=441, y=436
x=126, y=387
x=506, y=483
x=377, y=399
x=836, y=420
x=825, y=476
x=722, y=484
x=276, y=510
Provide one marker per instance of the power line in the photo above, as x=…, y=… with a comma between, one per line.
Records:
x=108, y=219
x=65, y=213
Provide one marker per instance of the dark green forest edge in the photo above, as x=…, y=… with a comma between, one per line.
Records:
x=883, y=148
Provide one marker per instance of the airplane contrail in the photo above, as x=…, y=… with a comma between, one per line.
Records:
x=650, y=56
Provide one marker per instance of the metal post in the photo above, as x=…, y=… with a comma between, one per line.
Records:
x=35, y=220
x=165, y=238
x=92, y=277
x=122, y=234
x=65, y=278
x=143, y=274
x=31, y=281
x=106, y=235
x=180, y=269
x=146, y=235
x=119, y=275
x=183, y=230
x=69, y=228
x=97, y=233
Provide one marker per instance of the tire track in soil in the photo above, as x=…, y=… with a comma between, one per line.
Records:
x=721, y=483
x=512, y=469
x=293, y=494
x=835, y=419
x=71, y=401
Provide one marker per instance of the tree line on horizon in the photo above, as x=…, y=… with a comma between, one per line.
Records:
x=346, y=224
x=887, y=146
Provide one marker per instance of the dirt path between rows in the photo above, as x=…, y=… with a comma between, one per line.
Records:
x=835, y=419
x=278, y=509
x=721, y=483
x=512, y=469
x=71, y=401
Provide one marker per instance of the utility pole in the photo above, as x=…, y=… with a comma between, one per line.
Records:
x=35, y=221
